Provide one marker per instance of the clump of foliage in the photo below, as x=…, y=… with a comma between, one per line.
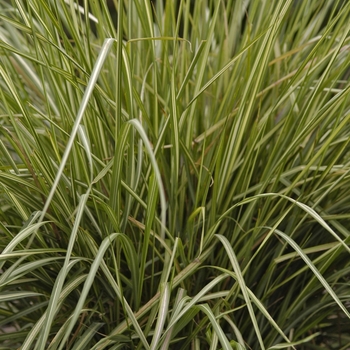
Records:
x=174, y=175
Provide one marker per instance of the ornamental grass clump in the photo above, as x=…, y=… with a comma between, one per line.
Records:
x=174, y=175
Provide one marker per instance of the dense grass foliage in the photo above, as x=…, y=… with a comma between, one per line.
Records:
x=174, y=175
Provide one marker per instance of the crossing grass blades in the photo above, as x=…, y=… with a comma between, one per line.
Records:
x=174, y=175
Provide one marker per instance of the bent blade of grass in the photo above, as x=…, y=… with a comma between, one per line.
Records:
x=180, y=277
x=303, y=206
x=240, y=344
x=195, y=299
x=98, y=262
x=313, y=268
x=52, y=307
x=132, y=317
x=31, y=77
x=5, y=276
x=318, y=219
x=35, y=331
x=241, y=282
x=259, y=305
x=22, y=270
x=218, y=330
x=23, y=234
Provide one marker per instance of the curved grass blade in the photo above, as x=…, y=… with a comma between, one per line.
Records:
x=241, y=282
